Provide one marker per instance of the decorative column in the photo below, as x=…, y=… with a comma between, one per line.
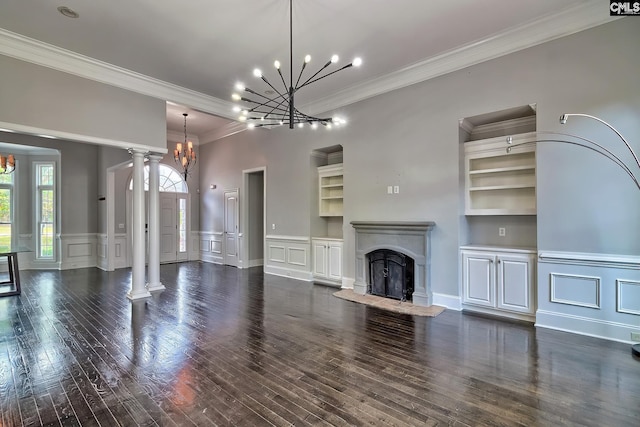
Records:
x=154, y=283
x=138, y=288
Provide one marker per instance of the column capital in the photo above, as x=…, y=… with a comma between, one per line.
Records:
x=154, y=157
x=137, y=152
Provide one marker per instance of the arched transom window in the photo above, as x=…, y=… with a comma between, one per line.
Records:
x=169, y=181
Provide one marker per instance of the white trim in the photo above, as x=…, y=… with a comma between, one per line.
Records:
x=348, y=282
x=34, y=51
x=300, y=239
x=596, y=281
x=559, y=24
x=591, y=259
x=285, y=272
x=68, y=136
x=619, y=307
x=452, y=302
x=614, y=331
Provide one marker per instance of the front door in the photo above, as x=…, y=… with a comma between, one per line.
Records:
x=168, y=227
x=231, y=227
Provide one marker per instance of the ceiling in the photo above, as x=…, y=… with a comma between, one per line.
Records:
x=206, y=46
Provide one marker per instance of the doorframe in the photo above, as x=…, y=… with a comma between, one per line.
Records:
x=245, y=214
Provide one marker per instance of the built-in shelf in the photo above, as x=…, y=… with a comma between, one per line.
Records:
x=330, y=183
x=498, y=182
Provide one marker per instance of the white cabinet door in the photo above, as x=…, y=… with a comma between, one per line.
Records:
x=334, y=256
x=515, y=279
x=320, y=258
x=478, y=278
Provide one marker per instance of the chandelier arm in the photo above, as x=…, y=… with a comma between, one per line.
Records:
x=304, y=65
x=615, y=159
x=308, y=82
x=563, y=120
x=284, y=84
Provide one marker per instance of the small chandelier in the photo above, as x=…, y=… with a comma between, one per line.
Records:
x=184, y=154
x=7, y=164
x=279, y=109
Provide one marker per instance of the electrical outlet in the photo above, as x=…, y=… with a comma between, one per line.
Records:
x=389, y=189
x=502, y=231
x=273, y=226
x=635, y=336
x=396, y=189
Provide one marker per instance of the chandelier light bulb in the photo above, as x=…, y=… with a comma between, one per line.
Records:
x=251, y=125
x=307, y=59
x=242, y=118
x=357, y=62
x=329, y=126
x=257, y=72
x=300, y=125
x=236, y=97
x=314, y=125
x=240, y=87
x=245, y=112
x=335, y=59
x=236, y=109
x=277, y=64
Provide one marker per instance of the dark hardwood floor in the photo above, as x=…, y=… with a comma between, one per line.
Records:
x=223, y=346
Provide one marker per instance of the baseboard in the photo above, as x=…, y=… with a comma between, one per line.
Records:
x=452, y=302
x=613, y=331
x=255, y=263
x=292, y=274
x=210, y=257
x=348, y=282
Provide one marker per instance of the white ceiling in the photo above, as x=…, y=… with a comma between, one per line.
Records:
x=207, y=46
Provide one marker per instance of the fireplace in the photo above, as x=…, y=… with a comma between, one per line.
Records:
x=410, y=239
x=390, y=274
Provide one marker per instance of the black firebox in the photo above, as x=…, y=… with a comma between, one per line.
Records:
x=390, y=274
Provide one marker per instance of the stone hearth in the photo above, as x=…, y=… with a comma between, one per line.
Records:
x=409, y=238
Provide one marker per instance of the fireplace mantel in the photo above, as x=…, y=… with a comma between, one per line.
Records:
x=408, y=237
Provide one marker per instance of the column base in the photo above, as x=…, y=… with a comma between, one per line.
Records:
x=155, y=287
x=138, y=295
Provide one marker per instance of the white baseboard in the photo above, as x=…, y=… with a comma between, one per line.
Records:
x=255, y=263
x=211, y=257
x=347, y=282
x=607, y=330
x=293, y=274
x=452, y=302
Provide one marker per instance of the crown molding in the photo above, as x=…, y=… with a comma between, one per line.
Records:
x=223, y=131
x=563, y=23
x=30, y=50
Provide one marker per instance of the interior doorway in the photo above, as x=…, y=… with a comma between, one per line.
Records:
x=253, y=216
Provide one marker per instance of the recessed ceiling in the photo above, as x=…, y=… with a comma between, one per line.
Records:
x=208, y=45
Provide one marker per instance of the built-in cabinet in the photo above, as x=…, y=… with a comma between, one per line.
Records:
x=327, y=260
x=330, y=190
x=500, y=175
x=501, y=280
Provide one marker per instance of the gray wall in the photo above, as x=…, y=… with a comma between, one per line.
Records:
x=410, y=138
x=47, y=99
x=78, y=184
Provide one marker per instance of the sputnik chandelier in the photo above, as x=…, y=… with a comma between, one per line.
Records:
x=184, y=154
x=278, y=108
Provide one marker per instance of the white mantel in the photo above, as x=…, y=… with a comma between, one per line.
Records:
x=408, y=237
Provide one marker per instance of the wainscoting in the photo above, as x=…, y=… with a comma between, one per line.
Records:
x=589, y=294
x=210, y=246
x=288, y=256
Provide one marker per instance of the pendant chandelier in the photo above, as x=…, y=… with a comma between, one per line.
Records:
x=184, y=153
x=7, y=164
x=278, y=108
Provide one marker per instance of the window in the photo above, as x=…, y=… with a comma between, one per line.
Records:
x=169, y=180
x=6, y=212
x=45, y=195
x=182, y=225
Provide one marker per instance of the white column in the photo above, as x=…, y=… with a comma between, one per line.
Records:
x=138, y=288
x=154, y=283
